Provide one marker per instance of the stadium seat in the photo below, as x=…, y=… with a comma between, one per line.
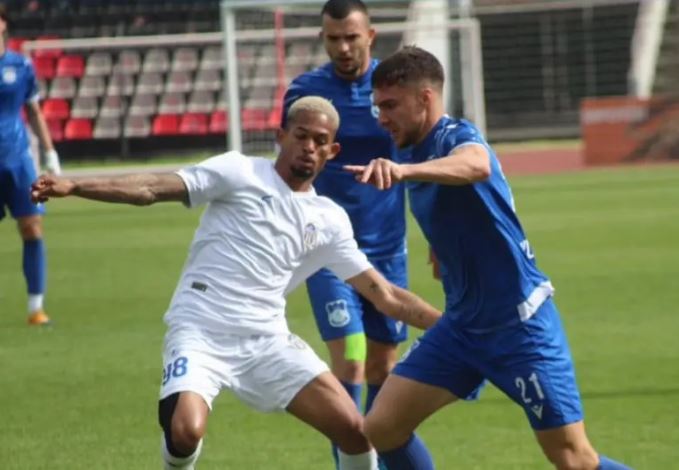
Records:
x=129, y=63
x=210, y=80
x=99, y=64
x=219, y=122
x=52, y=53
x=156, y=60
x=78, y=129
x=193, y=124
x=56, y=108
x=178, y=82
x=44, y=67
x=165, y=124
x=91, y=86
x=255, y=119
x=70, y=66
x=201, y=102
x=112, y=107
x=62, y=87
x=106, y=128
x=42, y=88
x=184, y=59
x=137, y=126
x=213, y=58
x=299, y=53
x=149, y=83
x=56, y=129
x=84, y=107
x=143, y=105
x=15, y=44
x=172, y=103
x=120, y=85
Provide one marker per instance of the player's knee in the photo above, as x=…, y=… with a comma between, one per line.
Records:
x=182, y=432
x=30, y=228
x=348, y=371
x=383, y=434
x=377, y=369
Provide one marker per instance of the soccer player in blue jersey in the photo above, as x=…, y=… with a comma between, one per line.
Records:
x=500, y=322
x=361, y=341
x=18, y=87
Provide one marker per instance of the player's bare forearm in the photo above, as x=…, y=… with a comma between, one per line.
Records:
x=394, y=301
x=465, y=165
x=136, y=189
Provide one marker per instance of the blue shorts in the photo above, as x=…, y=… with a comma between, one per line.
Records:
x=15, y=189
x=530, y=362
x=340, y=311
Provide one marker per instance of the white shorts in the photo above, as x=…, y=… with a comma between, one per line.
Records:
x=265, y=372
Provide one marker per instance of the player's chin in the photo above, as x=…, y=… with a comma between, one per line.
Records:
x=302, y=172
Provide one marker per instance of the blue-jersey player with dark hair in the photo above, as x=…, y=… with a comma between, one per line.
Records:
x=18, y=88
x=361, y=341
x=500, y=323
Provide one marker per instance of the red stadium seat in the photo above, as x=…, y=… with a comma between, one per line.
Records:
x=70, y=66
x=219, y=122
x=255, y=119
x=193, y=124
x=56, y=108
x=15, y=44
x=165, y=124
x=44, y=67
x=78, y=129
x=53, y=53
x=56, y=129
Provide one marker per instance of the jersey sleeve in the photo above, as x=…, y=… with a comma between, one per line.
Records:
x=458, y=135
x=214, y=178
x=343, y=257
x=32, y=89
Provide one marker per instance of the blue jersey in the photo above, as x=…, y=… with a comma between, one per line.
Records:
x=377, y=217
x=488, y=269
x=18, y=86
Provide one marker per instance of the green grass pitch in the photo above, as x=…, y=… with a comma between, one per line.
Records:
x=83, y=394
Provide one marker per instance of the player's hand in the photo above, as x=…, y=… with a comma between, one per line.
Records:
x=380, y=172
x=47, y=186
x=52, y=165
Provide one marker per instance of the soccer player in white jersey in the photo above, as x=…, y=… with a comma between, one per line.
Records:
x=264, y=231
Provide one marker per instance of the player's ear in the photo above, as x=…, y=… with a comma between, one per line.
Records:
x=280, y=135
x=371, y=35
x=335, y=147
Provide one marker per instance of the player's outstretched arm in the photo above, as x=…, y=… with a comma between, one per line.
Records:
x=464, y=165
x=394, y=301
x=136, y=189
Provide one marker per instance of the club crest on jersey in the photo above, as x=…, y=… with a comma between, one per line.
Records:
x=374, y=110
x=9, y=75
x=310, y=236
x=338, y=313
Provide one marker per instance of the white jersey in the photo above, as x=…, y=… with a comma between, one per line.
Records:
x=254, y=235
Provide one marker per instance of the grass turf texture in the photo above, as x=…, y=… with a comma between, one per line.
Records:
x=83, y=394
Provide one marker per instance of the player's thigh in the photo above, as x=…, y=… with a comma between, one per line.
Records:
x=20, y=178
x=335, y=304
x=379, y=327
x=532, y=364
x=280, y=366
x=190, y=365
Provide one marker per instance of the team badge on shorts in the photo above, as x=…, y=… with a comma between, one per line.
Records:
x=338, y=313
x=9, y=75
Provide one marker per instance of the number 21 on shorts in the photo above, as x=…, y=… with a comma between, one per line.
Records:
x=176, y=368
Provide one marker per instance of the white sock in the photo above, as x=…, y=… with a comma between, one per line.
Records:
x=365, y=461
x=170, y=462
x=35, y=302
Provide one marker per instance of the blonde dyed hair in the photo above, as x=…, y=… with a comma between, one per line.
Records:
x=314, y=104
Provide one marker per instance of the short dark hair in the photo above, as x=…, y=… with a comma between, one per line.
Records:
x=340, y=9
x=407, y=66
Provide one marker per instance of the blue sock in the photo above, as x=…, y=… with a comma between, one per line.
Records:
x=413, y=455
x=607, y=464
x=370, y=396
x=355, y=391
x=35, y=265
